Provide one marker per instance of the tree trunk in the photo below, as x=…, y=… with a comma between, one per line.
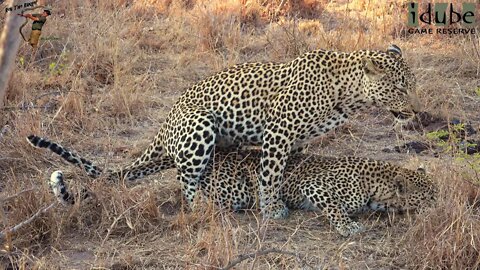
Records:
x=9, y=44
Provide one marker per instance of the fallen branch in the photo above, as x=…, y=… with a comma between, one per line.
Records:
x=16, y=194
x=56, y=183
x=17, y=227
x=243, y=257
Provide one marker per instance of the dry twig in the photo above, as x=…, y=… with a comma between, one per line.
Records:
x=16, y=194
x=110, y=229
x=7, y=231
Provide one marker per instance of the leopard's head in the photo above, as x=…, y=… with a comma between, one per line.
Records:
x=414, y=190
x=389, y=83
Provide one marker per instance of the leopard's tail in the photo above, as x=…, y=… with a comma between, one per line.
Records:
x=60, y=190
x=69, y=156
x=130, y=173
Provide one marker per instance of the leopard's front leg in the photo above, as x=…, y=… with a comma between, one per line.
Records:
x=325, y=200
x=277, y=144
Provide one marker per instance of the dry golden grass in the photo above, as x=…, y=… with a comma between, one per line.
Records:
x=105, y=86
x=447, y=236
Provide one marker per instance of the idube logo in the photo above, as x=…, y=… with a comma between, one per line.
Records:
x=441, y=18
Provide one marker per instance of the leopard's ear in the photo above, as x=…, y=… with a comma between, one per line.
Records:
x=372, y=70
x=395, y=50
x=421, y=169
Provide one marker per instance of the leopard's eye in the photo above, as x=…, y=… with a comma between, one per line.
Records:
x=401, y=86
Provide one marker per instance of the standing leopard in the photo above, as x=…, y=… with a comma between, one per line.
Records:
x=280, y=106
x=337, y=187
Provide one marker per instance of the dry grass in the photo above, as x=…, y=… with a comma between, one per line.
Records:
x=105, y=86
x=448, y=235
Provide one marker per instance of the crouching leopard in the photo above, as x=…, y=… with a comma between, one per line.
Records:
x=280, y=106
x=337, y=187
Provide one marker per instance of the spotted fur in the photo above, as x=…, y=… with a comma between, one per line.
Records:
x=337, y=187
x=280, y=107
